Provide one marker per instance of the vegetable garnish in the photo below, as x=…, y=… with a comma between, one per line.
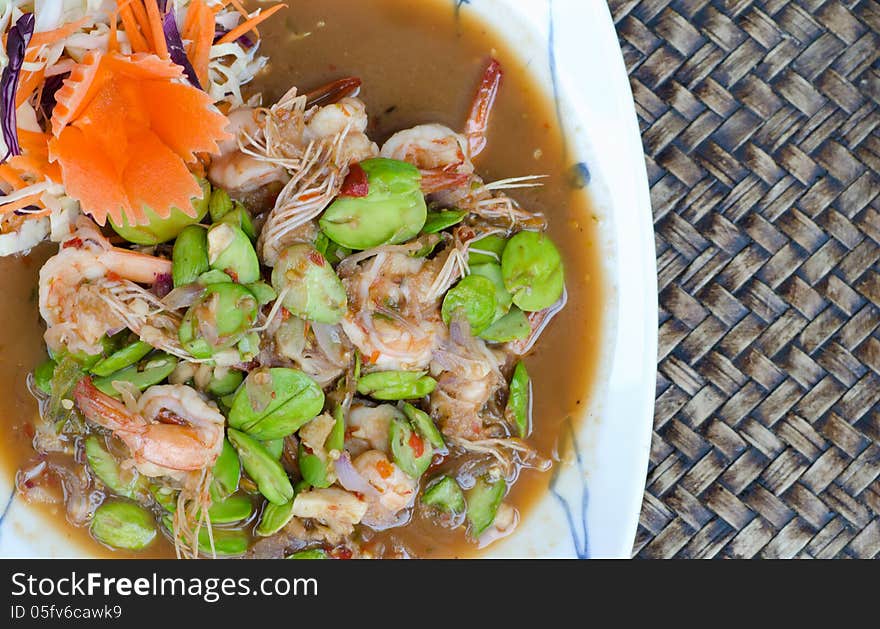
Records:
x=175, y=45
x=250, y=24
x=16, y=47
x=88, y=47
x=356, y=183
x=124, y=133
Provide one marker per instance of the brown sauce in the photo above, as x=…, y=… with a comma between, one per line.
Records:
x=419, y=63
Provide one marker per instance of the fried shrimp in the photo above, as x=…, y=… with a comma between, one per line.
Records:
x=77, y=283
x=394, y=303
x=173, y=430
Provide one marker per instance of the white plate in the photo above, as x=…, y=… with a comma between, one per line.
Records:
x=593, y=507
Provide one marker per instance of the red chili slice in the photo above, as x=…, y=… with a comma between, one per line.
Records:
x=417, y=445
x=356, y=183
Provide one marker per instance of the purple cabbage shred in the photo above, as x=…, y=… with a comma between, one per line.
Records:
x=175, y=44
x=47, y=98
x=16, y=45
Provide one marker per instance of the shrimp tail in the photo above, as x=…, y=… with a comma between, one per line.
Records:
x=134, y=266
x=99, y=408
x=333, y=92
x=439, y=179
x=478, y=120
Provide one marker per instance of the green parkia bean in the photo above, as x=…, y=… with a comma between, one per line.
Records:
x=313, y=468
x=226, y=402
x=157, y=229
x=226, y=472
x=262, y=467
x=227, y=542
x=165, y=497
x=249, y=346
x=301, y=486
x=445, y=494
x=274, y=518
x=533, y=272
x=312, y=553
x=411, y=453
x=424, y=425
x=43, y=376
x=240, y=218
x=444, y=219
x=126, y=483
x=310, y=287
x=122, y=358
x=111, y=343
x=123, y=524
x=471, y=300
x=233, y=509
x=220, y=204
x=334, y=252
x=492, y=272
x=514, y=326
x=263, y=292
x=275, y=447
x=219, y=320
x=149, y=372
x=486, y=250
x=82, y=360
x=230, y=250
x=396, y=385
x=519, y=400
x=316, y=465
x=214, y=277
x=336, y=440
x=225, y=384
x=189, y=258
x=483, y=500
x=428, y=243
x=275, y=403
x=393, y=211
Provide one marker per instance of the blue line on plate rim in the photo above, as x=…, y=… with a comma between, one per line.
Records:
x=554, y=76
x=582, y=550
x=6, y=509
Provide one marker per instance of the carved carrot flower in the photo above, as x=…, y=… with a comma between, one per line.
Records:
x=125, y=131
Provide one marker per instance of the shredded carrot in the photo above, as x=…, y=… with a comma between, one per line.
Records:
x=32, y=139
x=140, y=14
x=200, y=54
x=190, y=21
x=129, y=23
x=27, y=85
x=240, y=8
x=8, y=174
x=28, y=164
x=113, y=40
x=159, y=44
x=249, y=24
x=23, y=202
x=50, y=37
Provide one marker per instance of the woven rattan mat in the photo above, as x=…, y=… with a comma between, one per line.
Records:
x=761, y=125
